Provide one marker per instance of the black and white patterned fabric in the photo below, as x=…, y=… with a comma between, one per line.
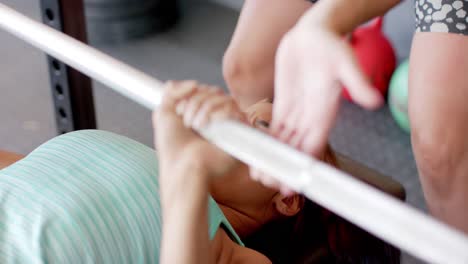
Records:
x=448, y=16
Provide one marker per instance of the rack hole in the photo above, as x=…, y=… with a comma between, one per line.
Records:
x=63, y=115
x=59, y=91
x=50, y=14
x=56, y=66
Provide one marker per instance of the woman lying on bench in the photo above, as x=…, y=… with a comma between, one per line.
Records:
x=96, y=197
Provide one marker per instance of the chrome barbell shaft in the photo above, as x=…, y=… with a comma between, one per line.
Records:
x=374, y=211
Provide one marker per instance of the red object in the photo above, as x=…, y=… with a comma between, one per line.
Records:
x=375, y=55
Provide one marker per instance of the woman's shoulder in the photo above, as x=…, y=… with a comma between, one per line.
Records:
x=78, y=190
x=93, y=140
x=92, y=150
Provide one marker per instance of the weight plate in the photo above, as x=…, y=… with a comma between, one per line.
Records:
x=119, y=11
x=118, y=30
x=120, y=2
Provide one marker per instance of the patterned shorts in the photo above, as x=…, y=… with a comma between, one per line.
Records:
x=449, y=16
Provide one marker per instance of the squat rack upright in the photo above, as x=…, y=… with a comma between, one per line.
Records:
x=71, y=90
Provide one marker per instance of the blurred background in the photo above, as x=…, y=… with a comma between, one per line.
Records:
x=191, y=49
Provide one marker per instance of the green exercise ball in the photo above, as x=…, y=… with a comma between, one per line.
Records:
x=398, y=96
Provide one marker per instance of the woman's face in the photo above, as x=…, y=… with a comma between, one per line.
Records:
x=237, y=190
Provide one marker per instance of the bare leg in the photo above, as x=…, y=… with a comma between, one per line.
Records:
x=438, y=109
x=249, y=61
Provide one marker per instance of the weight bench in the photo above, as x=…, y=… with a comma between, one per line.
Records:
x=8, y=158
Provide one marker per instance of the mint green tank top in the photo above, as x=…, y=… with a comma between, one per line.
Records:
x=86, y=197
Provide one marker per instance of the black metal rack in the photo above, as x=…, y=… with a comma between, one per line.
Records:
x=71, y=90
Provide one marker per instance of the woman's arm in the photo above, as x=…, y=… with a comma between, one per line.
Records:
x=183, y=181
x=186, y=223
x=185, y=215
x=187, y=163
x=249, y=61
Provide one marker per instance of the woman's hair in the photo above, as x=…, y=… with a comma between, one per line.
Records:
x=315, y=235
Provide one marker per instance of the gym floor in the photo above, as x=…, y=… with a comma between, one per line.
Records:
x=192, y=50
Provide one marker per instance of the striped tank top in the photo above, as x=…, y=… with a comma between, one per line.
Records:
x=86, y=197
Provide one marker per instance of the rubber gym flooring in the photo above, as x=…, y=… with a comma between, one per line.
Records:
x=192, y=50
